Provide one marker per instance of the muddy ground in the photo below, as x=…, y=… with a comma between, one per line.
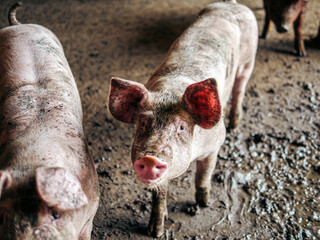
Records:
x=266, y=184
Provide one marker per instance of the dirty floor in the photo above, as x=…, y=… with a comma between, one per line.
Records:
x=266, y=183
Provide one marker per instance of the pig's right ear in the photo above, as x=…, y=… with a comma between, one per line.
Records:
x=5, y=181
x=202, y=102
x=57, y=187
x=126, y=98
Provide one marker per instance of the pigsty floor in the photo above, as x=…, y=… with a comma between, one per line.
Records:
x=266, y=184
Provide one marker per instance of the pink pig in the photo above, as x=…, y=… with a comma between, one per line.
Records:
x=179, y=112
x=48, y=183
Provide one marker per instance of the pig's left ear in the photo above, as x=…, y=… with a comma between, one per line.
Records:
x=126, y=98
x=57, y=187
x=202, y=102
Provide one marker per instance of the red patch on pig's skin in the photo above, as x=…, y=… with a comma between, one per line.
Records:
x=203, y=103
x=125, y=99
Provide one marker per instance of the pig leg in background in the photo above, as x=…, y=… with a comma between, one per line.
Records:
x=317, y=38
x=204, y=172
x=238, y=91
x=315, y=42
x=159, y=212
x=267, y=27
x=298, y=40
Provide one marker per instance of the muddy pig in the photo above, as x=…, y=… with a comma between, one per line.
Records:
x=179, y=112
x=283, y=13
x=48, y=183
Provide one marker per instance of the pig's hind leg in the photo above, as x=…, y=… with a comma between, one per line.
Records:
x=204, y=172
x=298, y=39
x=238, y=91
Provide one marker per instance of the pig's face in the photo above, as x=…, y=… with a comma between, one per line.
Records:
x=42, y=208
x=164, y=140
x=165, y=121
x=283, y=12
x=29, y=218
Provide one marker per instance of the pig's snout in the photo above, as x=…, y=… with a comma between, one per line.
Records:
x=283, y=28
x=150, y=169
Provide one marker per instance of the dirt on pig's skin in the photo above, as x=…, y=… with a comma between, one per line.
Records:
x=266, y=183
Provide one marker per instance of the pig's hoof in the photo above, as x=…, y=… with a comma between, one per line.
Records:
x=155, y=231
x=233, y=124
x=300, y=49
x=264, y=36
x=234, y=121
x=301, y=53
x=202, y=197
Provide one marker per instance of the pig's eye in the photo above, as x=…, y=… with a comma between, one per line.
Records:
x=142, y=125
x=54, y=215
x=181, y=127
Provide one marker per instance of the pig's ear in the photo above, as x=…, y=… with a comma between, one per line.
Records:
x=126, y=98
x=5, y=181
x=202, y=102
x=57, y=187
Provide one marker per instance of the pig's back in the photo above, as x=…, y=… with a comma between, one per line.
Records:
x=223, y=37
x=38, y=94
x=241, y=16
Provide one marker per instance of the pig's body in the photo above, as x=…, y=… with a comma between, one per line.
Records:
x=179, y=111
x=48, y=184
x=283, y=13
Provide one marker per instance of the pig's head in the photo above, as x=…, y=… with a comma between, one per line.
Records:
x=42, y=208
x=165, y=120
x=284, y=12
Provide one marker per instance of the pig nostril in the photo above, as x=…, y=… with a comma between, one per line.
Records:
x=141, y=166
x=159, y=167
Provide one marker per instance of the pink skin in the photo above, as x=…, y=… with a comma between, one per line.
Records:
x=150, y=169
x=48, y=183
x=179, y=112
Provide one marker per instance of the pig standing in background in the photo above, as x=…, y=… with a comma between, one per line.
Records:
x=179, y=112
x=48, y=183
x=315, y=42
x=283, y=13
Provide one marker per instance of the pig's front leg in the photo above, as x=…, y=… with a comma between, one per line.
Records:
x=159, y=212
x=204, y=172
x=298, y=40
